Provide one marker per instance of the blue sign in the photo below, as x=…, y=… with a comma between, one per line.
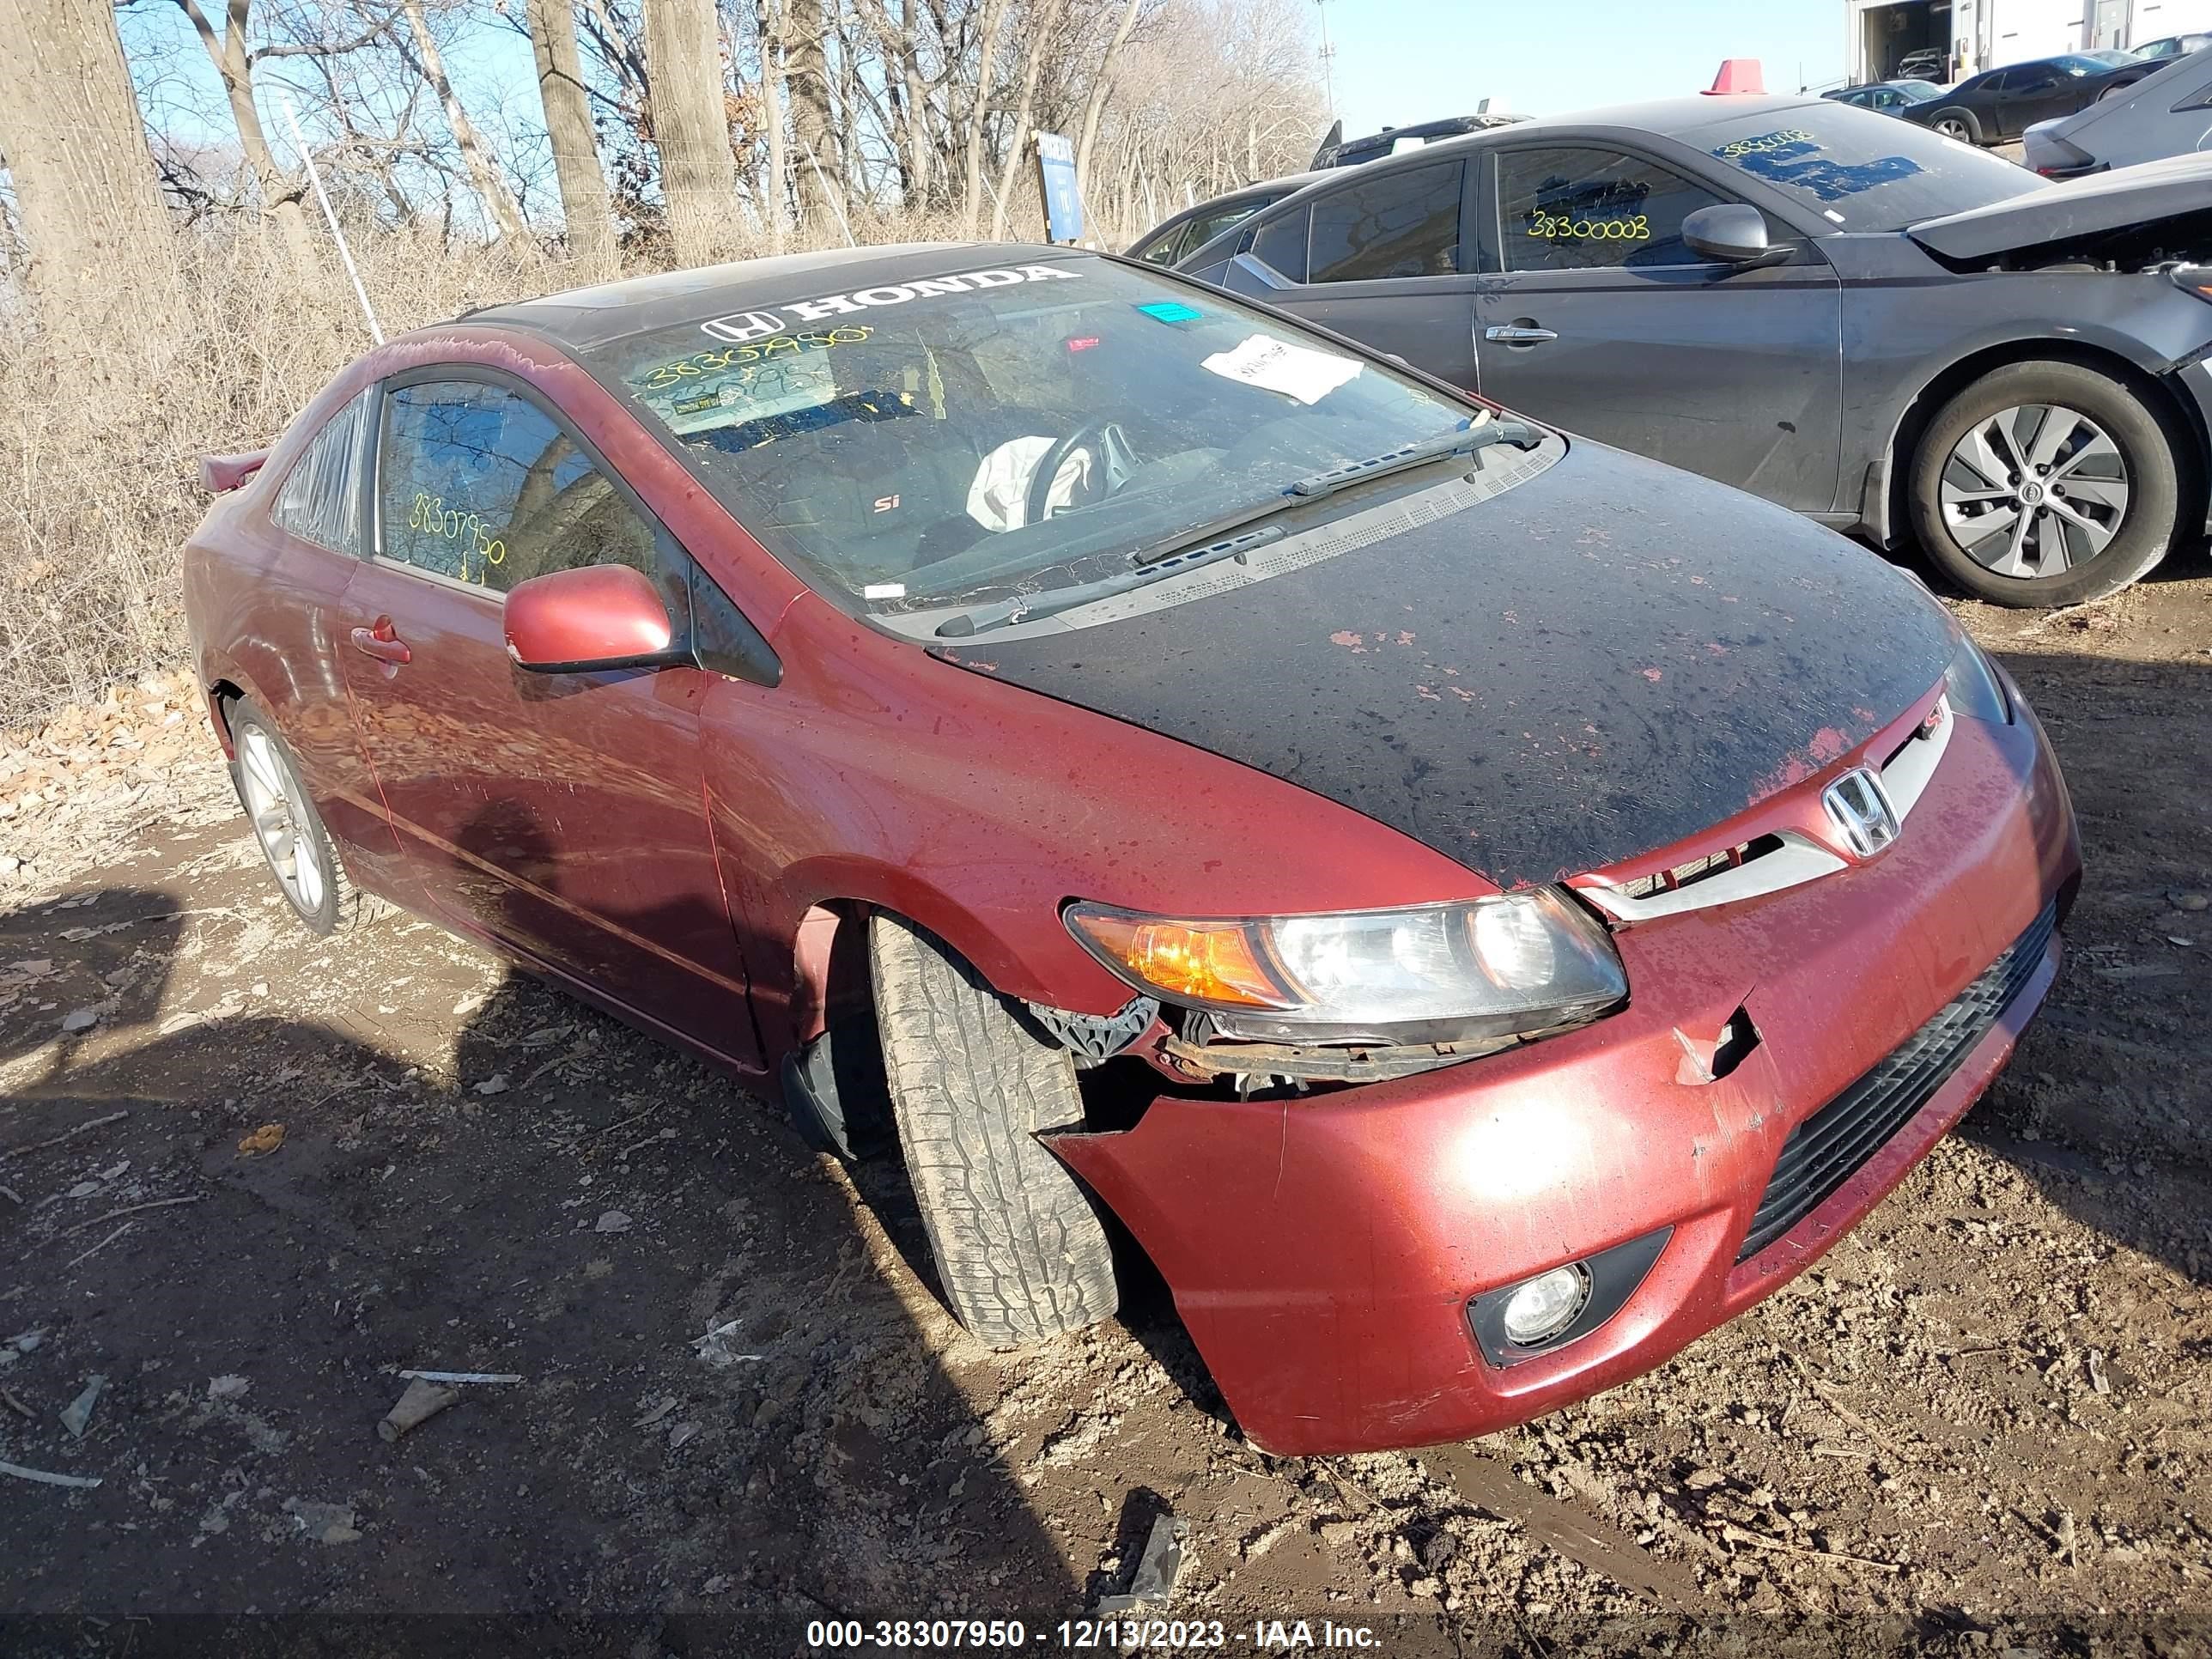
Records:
x=1063, y=207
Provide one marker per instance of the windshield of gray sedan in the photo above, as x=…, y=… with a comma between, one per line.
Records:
x=928, y=439
x=1861, y=171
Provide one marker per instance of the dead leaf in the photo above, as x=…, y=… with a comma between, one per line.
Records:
x=266, y=1139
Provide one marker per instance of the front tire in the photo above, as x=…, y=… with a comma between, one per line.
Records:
x=1959, y=124
x=289, y=830
x=1021, y=1253
x=2044, y=484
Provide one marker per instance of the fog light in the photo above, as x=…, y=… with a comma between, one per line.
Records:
x=1540, y=1309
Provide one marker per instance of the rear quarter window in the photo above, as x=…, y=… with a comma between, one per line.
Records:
x=320, y=501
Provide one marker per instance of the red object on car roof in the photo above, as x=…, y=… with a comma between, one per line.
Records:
x=1738, y=76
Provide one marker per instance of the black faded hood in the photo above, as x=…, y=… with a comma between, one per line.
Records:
x=1597, y=662
x=2078, y=210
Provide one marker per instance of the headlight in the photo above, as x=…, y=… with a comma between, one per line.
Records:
x=1492, y=967
x=1974, y=688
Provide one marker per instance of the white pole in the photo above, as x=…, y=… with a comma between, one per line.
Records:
x=345, y=254
x=836, y=205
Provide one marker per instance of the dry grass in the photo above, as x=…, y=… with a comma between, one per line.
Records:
x=213, y=345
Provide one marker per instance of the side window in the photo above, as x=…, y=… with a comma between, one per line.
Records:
x=1402, y=223
x=1591, y=209
x=320, y=501
x=478, y=484
x=1209, y=225
x=1171, y=247
x=1282, y=243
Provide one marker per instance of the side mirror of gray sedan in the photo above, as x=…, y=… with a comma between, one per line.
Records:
x=1730, y=233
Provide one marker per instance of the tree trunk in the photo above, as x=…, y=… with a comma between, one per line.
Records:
x=1095, y=105
x=812, y=124
x=779, y=154
x=920, y=190
x=690, y=125
x=569, y=126
x=77, y=149
x=227, y=52
x=1041, y=23
x=971, y=209
x=488, y=184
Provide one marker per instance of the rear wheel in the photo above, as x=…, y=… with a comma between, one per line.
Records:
x=2044, y=484
x=1021, y=1253
x=289, y=830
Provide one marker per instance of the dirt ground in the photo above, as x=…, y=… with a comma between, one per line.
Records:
x=1981, y=1424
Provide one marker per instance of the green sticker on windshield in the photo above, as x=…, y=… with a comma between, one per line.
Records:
x=1171, y=311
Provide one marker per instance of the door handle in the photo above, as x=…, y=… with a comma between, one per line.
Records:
x=382, y=642
x=1516, y=334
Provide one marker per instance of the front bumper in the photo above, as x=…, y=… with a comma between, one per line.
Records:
x=1323, y=1251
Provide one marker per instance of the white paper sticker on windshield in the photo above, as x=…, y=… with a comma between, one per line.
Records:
x=1296, y=371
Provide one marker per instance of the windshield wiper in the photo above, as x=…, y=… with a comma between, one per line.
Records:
x=1519, y=434
x=1027, y=607
x=1189, y=549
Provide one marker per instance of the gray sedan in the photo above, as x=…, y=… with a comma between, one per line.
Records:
x=1865, y=321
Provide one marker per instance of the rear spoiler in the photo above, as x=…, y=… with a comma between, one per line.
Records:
x=220, y=474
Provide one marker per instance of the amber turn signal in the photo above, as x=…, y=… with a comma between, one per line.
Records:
x=1214, y=961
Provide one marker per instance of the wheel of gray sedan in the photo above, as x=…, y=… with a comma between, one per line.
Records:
x=1959, y=124
x=1021, y=1253
x=289, y=830
x=2044, y=484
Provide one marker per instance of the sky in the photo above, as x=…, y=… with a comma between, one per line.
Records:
x=1398, y=62
x=1395, y=62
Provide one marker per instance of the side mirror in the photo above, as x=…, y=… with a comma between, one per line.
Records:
x=602, y=616
x=1730, y=233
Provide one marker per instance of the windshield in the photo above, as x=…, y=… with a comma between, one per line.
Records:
x=1860, y=171
x=925, y=441
x=1919, y=91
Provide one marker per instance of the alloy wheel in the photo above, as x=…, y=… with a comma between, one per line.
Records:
x=1951, y=128
x=278, y=813
x=2034, y=490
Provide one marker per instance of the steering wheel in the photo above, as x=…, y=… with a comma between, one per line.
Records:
x=1105, y=440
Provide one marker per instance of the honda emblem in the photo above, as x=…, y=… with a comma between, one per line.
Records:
x=1859, y=808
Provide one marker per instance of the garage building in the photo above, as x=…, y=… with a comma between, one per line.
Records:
x=1980, y=34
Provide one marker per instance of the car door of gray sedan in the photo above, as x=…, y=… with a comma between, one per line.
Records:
x=1379, y=258
x=1595, y=315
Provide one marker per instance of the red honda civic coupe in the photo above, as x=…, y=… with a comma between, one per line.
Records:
x=1479, y=908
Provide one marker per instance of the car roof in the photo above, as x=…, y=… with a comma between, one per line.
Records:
x=584, y=317
x=1669, y=117
x=1284, y=185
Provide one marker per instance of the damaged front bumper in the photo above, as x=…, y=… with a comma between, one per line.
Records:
x=1327, y=1251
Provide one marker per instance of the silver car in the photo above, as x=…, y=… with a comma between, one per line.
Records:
x=1892, y=332
x=2165, y=113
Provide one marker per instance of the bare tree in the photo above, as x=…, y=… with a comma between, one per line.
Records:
x=234, y=60
x=1039, y=27
x=74, y=145
x=771, y=104
x=568, y=128
x=498, y=201
x=690, y=125
x=813, y=125
x=1102, y=83
x=979, y=109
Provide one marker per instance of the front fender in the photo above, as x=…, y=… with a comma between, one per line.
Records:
x=977, y=808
